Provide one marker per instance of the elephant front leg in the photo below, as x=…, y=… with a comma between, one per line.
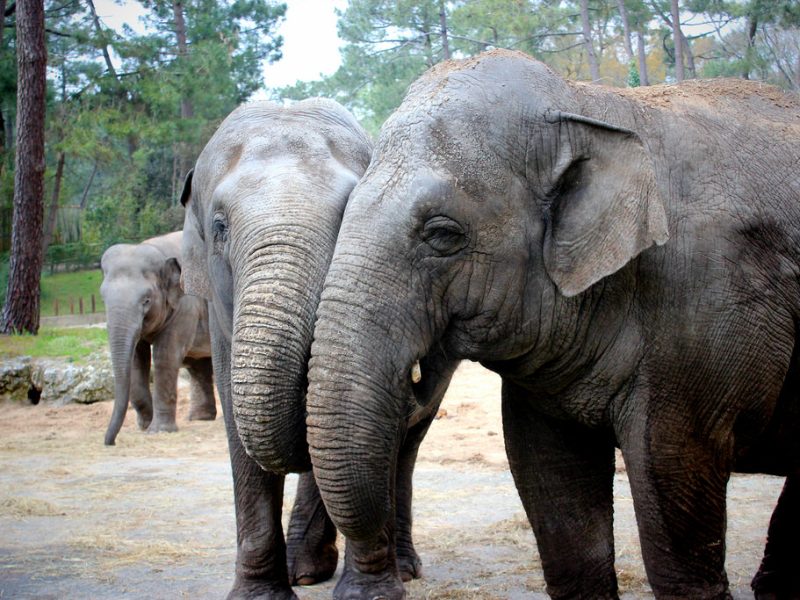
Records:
x=778, y=577
x=370, y=569
x=409, y=563
x=141, y=399
x=311, y=538
x=165, y=397
x=202, y=404
x=678, y=482
x=564, y=474
x=258, y=499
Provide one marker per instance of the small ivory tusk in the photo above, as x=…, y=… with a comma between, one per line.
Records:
x=416, y=373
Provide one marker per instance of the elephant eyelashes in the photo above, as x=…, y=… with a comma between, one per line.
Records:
x=444, y=235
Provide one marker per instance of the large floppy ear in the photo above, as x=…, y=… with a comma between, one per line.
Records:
x=195, y=269
x=605, y=208
x=170, y=277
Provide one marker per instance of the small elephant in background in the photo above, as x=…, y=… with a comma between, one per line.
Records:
x=149, y=315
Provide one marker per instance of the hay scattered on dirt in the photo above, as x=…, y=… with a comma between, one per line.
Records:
x=17, y=507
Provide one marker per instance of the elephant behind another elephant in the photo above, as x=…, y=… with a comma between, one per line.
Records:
x=149, y=315
x=263, y=208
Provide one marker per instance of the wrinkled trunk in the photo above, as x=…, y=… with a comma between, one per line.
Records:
x=123, y=337
x=358, y=398
x=277, y=286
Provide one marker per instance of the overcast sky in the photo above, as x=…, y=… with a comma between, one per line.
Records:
x=310, y=43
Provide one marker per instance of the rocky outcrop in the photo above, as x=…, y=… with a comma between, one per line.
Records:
x=56, y=381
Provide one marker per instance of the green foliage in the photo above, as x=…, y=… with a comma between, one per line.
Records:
x=74, y=343
x=633, y=74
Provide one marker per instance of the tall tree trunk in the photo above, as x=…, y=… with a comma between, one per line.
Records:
x=643, y=79
x=443, y=30
x=50, y=225
x=626, y=29
x=2, y=120
x=677, y=37
x=85, y=195
x=98, y=28
x=594, y=69
x=752, y=28
x=21, y=311
x=187, y=108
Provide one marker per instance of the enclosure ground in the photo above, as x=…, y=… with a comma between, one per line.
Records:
x=153, y=516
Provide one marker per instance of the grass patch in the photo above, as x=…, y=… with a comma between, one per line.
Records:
x=74, y=343
x=71, y=286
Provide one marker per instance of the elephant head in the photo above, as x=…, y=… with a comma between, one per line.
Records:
x=263, y=207
x=140, y=289
x=491, y=205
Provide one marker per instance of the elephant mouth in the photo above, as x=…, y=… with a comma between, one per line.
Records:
x=420, y=380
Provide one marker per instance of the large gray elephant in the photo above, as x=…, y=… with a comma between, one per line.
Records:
x=148, y=314
x=627, y=260
x=263, y=208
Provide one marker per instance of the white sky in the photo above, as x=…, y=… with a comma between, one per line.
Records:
x=310, y=43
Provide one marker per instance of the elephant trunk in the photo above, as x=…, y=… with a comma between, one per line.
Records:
x=123, y=335
x=358, y=403
x=278, y=285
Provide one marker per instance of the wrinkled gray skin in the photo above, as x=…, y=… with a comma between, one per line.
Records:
x=629, y=263
x=263, y=208
x=148, y=314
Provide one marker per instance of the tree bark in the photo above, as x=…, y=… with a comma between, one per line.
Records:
x=21, y=311
x=643, y=79
x=626, y=29
x=50, y=225
x=2, y=120
x=85, y=195
x=594, y=69
x=677, y=37
x=443, y=30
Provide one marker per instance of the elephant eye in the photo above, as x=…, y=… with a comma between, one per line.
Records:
x=445, y=235
x=219, y=227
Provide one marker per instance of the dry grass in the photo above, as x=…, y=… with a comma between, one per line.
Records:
x=19, y=508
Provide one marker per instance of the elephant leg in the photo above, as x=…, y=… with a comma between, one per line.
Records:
x=370, y=569
x=564, y=474
x=140, y=385
x=778, y=577
x=311, y=537
x=258, y=500
x=408, y=561
x=202, y=405
x=678, y=482
x=165, y=383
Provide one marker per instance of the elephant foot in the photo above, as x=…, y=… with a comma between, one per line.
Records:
x=409, y=564
x=775, y=585
x=307, y=567
x=162, y=426
x=252, y=589
x=202, y=414
x=363, y=586
x=143, y=421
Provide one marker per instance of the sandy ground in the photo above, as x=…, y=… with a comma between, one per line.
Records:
x=153, y=517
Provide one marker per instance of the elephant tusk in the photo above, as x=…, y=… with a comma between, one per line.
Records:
x=416, y=373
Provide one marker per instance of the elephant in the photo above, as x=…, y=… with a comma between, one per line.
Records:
x=148, y=313
x=263, y=206
x=628, y=261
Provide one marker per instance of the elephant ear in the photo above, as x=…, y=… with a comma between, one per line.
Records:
x=171, y=281
x=195, y=270
x=605, y=208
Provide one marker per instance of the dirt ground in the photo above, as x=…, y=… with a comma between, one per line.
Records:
x=153, y=516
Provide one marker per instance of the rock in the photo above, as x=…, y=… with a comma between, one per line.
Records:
x=15, y=378
x=58, y=382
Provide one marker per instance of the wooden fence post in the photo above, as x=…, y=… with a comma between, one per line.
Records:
x=71, y=305
x=55, y=306
x=93, y=305
x=80, y=305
